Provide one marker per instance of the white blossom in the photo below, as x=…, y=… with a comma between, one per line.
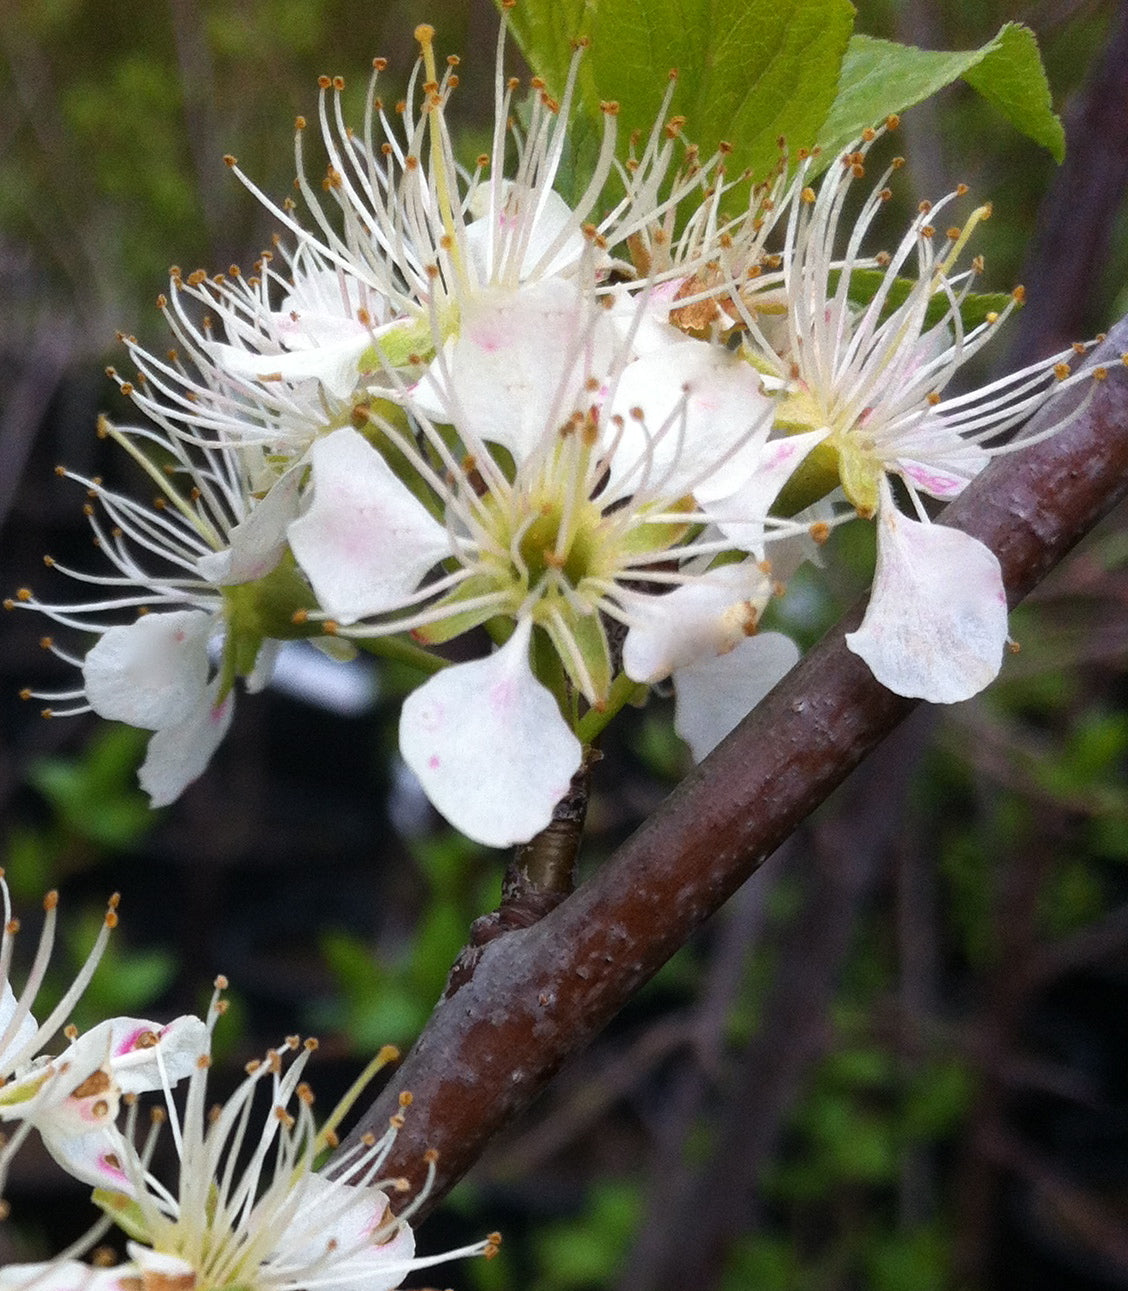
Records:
x=76, y=1092
x=861, y=348
x=247, y=1207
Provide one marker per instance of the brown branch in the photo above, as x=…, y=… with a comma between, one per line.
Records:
x=847, y=853
x=540, y=993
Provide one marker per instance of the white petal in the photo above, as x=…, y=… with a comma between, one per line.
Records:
x=152, y=673
x=24, y=1033
x=936, y=624
x=489, y=745
x=702, y=619
x=740, y=515
x=344, y=1219
x=704, y=421
x=492, y=240
x=715, y=694
x=71, y=1275
x=329, y=293
x=178, y=754
x=365, y=542
x=263, y=671
x=518, y=365
x=330, y=353
x=645, y=317
x=161, y=1270
x=256, y=543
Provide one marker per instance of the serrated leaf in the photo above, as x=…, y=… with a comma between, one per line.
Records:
x=748, y=72
x=880, y=77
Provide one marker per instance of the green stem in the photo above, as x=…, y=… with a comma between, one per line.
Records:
x=623, y=691
x=402, y=651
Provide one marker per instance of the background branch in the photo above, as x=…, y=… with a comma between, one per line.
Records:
x=538, y=994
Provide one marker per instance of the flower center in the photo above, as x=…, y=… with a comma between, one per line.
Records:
x=549, y=550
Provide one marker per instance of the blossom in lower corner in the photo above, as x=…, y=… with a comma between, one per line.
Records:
x=76, y=1092
x=247, y=1207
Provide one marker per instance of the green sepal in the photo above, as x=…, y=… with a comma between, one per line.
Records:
x=585, y=632
x=860, y=474
x=455, y=622
x=17, y=1092
x=815, y=477
x=646, y=539
x=266, y=607
x=124, y=1211
x=400, y=346
x=826, y=466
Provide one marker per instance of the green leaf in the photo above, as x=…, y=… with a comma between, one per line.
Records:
x=974, y=308
x=880, y=77
x=748, y=72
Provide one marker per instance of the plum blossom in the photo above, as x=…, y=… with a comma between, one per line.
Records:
x=247, y=1207
x=861, y=355
x=305, y=404
x=76, y=1093
x=409, y=249
x=564, y=512
x=203, y=571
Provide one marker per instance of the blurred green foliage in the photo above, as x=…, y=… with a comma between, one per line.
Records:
x=385, y=998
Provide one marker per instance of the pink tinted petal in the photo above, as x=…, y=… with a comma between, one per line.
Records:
x=365, y=542
x=152, y=673
x=936, y=459
x=936, y=624
x=179, y=754
x=714, y=694
x=92, y=1156
x=146, y=1055
x=740, y=514
x=489, y=745
x=933, y=480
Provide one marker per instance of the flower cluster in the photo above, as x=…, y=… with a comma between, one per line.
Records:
x=251, y=1205
x=598, y=437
